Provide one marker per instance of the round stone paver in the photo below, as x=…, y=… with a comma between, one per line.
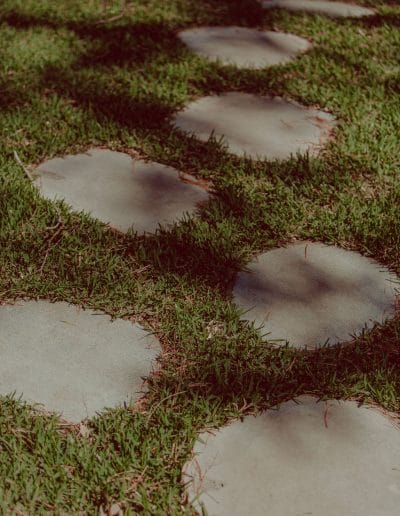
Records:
x=327, y=8
x=73, y=361
x=328, y=458
x=118, y=190
x=256, y=126
x=310, y=294
x=243, y=47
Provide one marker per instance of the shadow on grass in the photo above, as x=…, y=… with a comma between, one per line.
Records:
x=133, y=44
x=104, y=99
x=91, y=83
x=367, y=368
x=235, y=12
x=380, y=20
x=12, y=96
x=227, y=12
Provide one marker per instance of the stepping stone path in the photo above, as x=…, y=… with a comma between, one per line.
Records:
x=332, y=9
x=309, y=293
x=255, y=126
x=330, y=459
x=120, y=191
x=243, y=47
x=73, y=361
x=307, y=457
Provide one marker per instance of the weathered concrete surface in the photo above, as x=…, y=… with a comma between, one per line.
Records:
x=256, y=126
x=308, y=294
x=118, y=190
x=328, y=458
x=244, y=47
x=75, y=362
x=332, y=9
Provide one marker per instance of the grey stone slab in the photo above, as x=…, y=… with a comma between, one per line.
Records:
x=244, y=47
x=256, y=126
x=310, y=293
x=120, y=191
x=307, y=458
x=331, y=9
x=73, y=361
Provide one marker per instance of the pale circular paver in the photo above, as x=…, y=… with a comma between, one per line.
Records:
x=310, y=294
x=307, y=458
x=244, y=47
x=256, y=126
x=73, y=361
x=327, y=8
x=120, y=191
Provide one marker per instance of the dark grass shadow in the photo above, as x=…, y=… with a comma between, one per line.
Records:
x=195, y=259
x=235, y=12
x=133, y=44
x=12, y=96
x=240, y=12
x=23, y=21
x=115, y=45
x=227, y=12
x=254, y=370
x=105, y=100
x=380, y=20
x=392, y=85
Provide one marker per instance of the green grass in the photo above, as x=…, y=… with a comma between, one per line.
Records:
x=68, y=83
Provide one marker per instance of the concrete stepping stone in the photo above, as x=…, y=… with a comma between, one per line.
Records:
x=256, y=126
x=328, y=458
x=310, y=294
x=243, y=47
x=73, y=361
x=120, y=191
x=327, y=8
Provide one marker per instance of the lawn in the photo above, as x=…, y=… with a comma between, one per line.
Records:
x=71, y=80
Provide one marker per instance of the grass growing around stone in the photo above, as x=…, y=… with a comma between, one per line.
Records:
x=69, y=83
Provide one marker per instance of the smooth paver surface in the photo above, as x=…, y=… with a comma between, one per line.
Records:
x=256, y=126
x=332, y=9
x=118, y=190
x=244, y=47
x=310, y=293
x=73, y=361
x=328, y=458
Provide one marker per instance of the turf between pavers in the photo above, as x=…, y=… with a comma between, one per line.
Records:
x=69, y=83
